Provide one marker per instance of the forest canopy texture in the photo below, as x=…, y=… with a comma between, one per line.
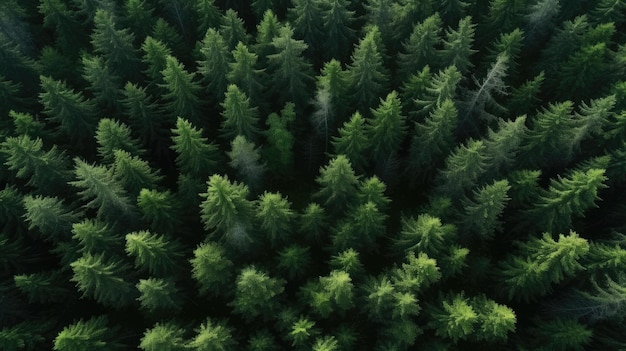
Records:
x=312, y=175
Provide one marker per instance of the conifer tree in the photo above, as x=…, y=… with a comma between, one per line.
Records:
x=239, y=117
x=387, y=128
x=103, y=280
x=111, y=136
x=267, y=29
x=524, y=98
x=134, y=173
x=156, y=253
x=313, y=222
x=503, y=16
x=302, y=331
x=165, y=33
x=425, y=234
x=93, y=334
x=144, y=114
x=207, y=15
x=227, y=210
x=337, y=20
x=182, y=91
x=306, y=18
x=275, y=216
x=481, y=214
x=158, y=295
x=562, y=334
x=279, y=152
x=161, y=209
x=456, y=320
x=95, y=236
x=211, y=268
x=255, y=294
x=58, y=16
x=214, y=63
x=367, y=76
x=44, y=170
x=22, y=336
x=452, y=11
x=163, y=337
x=338, y=183
x=353, y=142
x=42, y=287
x=416, y=273
x=542, y=263
x=232, y=29
x=213, y=336
x=540, y=20
x=245, y=159
x=457, y=46
x=433, y=139
x=74, y=115
x=139, y=17
x=155, y=54
x=442, y=86
x=419, y=50
x=50, y=216
x=115, y=45
x=102, y=82
x=194, y=155
x=102, y=192
x=463, y=168
x=294, y=261
x=334, y=82
x=291, y=73
x=360, y=230
x=244, y=74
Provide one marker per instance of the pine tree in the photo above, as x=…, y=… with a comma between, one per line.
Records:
x=608, y=11
x=103, y=280
x=244, y=74
x=93, y=334
x=155, y=54
x=165, y=33
x=353, y=142
x=463, y=169
x=338, y=183
x=111, y=136
x=442, y=86
x=115, y=45
x=163, y=337
x=267, y=29
x=207, y=15
x=255, y=294
x=433, y=139
x=279, y=152
x=155, y=253
x=161, y=209
x=139, y=17
x=245, y=159
x=102, y=82
x=503, y=16
x=313, y=222
x=58, y=16
x=583, y=72
x=452, y=11
x=457, y=46
x=194, y=155
x=419, y=50
x=306, y=18
x=503, y=145
x=387, y=128
x=232, y=29
x=44, y=170
x=540, y=20
x=337, y=20
x=22, y=336
x=425, y=234
x=95, y=236
x=134, y=173
x=211, y=269
x=334, y=81
x=275, y=217
x=381, y=13
x=239, y=117
x=294, y=261
x=482, y=213
x=562, y=334
x=416, y=273
x=74, y=115
x=213, y=336
x=565, y=198
x=455, y=320
x=542, y=263
x=182, y=91
x=42, y=287
x=158, y=295
x=360, y=230
x=227, y=210
x=302, y=332
x=52, y=218
x=214, y=63
x=524, y=98
x=102, y=192
x=367, y=76
x=291, y=73
x=144, y=115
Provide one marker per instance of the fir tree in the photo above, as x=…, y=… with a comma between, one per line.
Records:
x=337, y=19
x=232, y=29
x=294, y=261
x=155, y=54
x=482, y=213
x=245, y=159
x=134, y=173
x=524, y=98
x=386, y=130
x=419, y=50
x=112, y=136
x=442, y=86
x=139, y=17
x=182, y=91
x=267, y=29
x=338, y=183
x=239, y=117
x=103, y=280
x=207, y=15
x=213, y=336
x=52, y=218
x=244, y=74
x=102, y=82
x=353, y=142
x=211, y=269
x=279, y=153
x=367, y=76
x=163, y=337
x=425, y=234
x=42, y=287
x=144, y=114
x=58, y=16
x=158, y=254
x=214, y=63
x=463, y=169
x=255, y=293
x=313, y=222
x=195, y=156
x=115, y=45
x=161, y=209
x=93, y=334
x=306, y=18
x=275, y=216
x=158, y=295
x=457, y=46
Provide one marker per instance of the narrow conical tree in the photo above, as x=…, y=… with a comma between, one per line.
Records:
x=338, y=183
x=211, y=268
x=279, y=152
x=104, y=85
x=245, y=158
x=93, y=334
x=419, y=50
x=353, y=142
x=337, y=20
x=103, y=280
x=214, y=63
x=145, y=116
x=155, y=54
x=239, y=117
x=256, y=294
x=306, y=18
x=50, y=216
x=442, y=86
x=243, y=73
x=115, y=45
x=182, y=91
x=95, y=236
x=159, y=255
x=274, y=213
x=387, y=128
x=207, y=15
x=482, y=213
x=366, y=74
x=163, y=337
x=161, y=209
x=233, y=29
x=195, y=156
x=134, y=173
x=213, y=336
x=111, y=136
x=463, y=169
x=158, y=295
x=139, y=17
x=457, y=46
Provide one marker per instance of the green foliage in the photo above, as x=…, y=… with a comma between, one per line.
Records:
x=352, y=141
x=215, y=61
x=360, y=230
x=115, y=45
x=419, y=49
x=232, y=29
x=41, y=287
x=210, y=268
x=163, y=337
x=194, y=155
x=157, y=254
x=243, y=73
x=158, y=295
x=387, y=128
x=367, y=75
x=256, y=293
x=22, y=336
x=425, y=234
x=338, y=183
x=155, y=57
x=457, y=46
x=482, y=214
x=245, y=158
x=112, y=136
x=279, y=152
x=104, y=85
x=95, y=236
x=239, y=117
x=133, y=172
x=442, y=87
x=213, y=336
x=144, y=114
x=50, y=216
x=562, y=334
x=306, y=18
x=102, y=279
x=416, y=273
x=313, y=222
x=161, y=209
x=275, y=216
x=337, y=19
x=463, y=168
x=542, y=263
x=93, y=334
x=294, y=260
x=182, y=90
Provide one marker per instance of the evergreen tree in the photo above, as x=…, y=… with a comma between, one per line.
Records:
x=255, y=294
x=232, y=29
x=337, y=19
x=104, y=85
x=279, y=152
x=463, y=169
x=306, y=18
x=245, y=159
x=353, y=142
x=540, y=20
x=194, y=155
x=456, y=320
x=481, y=214
x=334, y=82
x=275, y=216
x=58, y=16
x=155, y=58
x=360, y=230
x=182, y=91
x=115, y=45
x=165, y=33
x=22, y=336
x=139, y=17
x=562, y=334
x=387, y=128
x=207, y=15
x=134, y=173
x=542, y=263
x=302, y=332
x=95, y=236
x=42, y=287
x=239, y=117
x=93, y=334
x=103, y=280
x=214, y=63
x=367, y=76
x=156, y=253
x=503, y=16
x=50, y=216
x=267, y=29
x=44, y=170
x=416, y=273
x=112, y=136
x=503, y=145
x=442, y=86
x=211, y=269
x=213, y=336
x=244, y=74
x=161, y=209
x=419, y=50
x=74, y=115
x=425, y=234
x=338, y=183
x=457, y=46
x=313, y=222
x=144, y=114
x=163, y=337
x=227, y=210
x=291, y=73
x=452, y=11
x=158, y=295
x=294, y=261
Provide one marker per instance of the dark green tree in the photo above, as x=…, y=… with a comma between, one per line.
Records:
x=115, y=45
x=338, y=183
x=155, y=54
x=95, y=236
x=161, y=209
x=93, y=334
x=182, y=91
x=313, y=222
x=279, y=153
x=245, y=158
x=482, y=213
x=562, y=334
x=442, y=86
x=207, y=15
x=103, y=84
x=463, y=168
x=457, y=46
x=306, y=19
x=419, y=50
x=353, y=141
x=275, y=217
x=158, y=295
x=145, y=116
x=244, y=74
x=213, y=336
x=256, y=294
x=294, y=261
x=337, y=19
x=195, y=156
x=425, y=234
x=239, y=117
x=52, y=218
x=367, y=75
x=387, y=127
x=139, y=17
x=112, y=136
x=67, y=28
x=214, y=62
x=42, y=287
x=103, y=279
x=232, y=29
x=211, y=268
x=163, y=337
x=134, y=173
x=158, y=254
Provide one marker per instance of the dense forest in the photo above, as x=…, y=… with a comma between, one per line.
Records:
x=312, y=175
